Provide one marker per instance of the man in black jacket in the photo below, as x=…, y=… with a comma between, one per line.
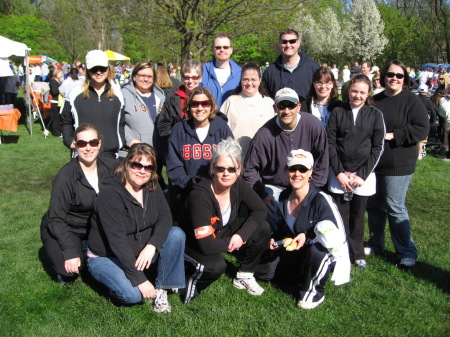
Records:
x=292, y=69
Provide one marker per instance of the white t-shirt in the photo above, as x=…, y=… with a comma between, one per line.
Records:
x=222, y=74
x=202, y=133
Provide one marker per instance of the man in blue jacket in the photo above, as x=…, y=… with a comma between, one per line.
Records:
x=292, y=69
x=221, y=75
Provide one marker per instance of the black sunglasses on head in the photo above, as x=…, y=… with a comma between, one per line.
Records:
x=84, y=143
x=398, y=75
x=300, y=168
x=138, y=166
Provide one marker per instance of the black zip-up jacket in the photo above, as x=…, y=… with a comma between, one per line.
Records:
x=203, y=208
x=107, y=114
x=277, y=77
x=121, y=227
x=72, y=202
x=355, y=147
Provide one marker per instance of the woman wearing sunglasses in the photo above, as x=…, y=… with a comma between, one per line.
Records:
x=191, y=143
x=407, y=123
x=74, y=191
x=131, y=230
x=311, y=219
x=249, y=107
x=213, y=225
x=323, y=95
x=98, y=101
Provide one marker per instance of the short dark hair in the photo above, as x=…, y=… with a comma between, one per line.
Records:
x=385, y=69
x=199, y=91
x=262, y=87
x=289, y=31
x=85, y=127
x=144, y=65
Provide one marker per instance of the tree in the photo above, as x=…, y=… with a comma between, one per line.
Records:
x=363, y=31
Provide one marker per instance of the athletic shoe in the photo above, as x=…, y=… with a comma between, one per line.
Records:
x=407, y=262
x=249, y=284
x=310, y=305
x=361, y=263
x=372, y=251
x=160, y=303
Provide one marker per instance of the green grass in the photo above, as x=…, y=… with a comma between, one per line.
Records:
x=380, y=300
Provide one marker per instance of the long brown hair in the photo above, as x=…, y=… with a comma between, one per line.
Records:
x=109, y=79
x=135, y=153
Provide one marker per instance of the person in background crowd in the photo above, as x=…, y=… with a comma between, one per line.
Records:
x=423, y=92
x=131, y=230
x=292, y=69
x=335, y=72
x=164, y=81
x=323, y=95
x=441, y=102
x=355, y=69
x=249, y=107
x=55, y=83
x=406, y=123
x=69, y=83
x=318, y=246
x=356, y=139
x=98, y=101
x=74, y=189
x=11, y=89
x=376, y=86
x=365, y=69
x=221, y=75
x=191, y=143
x=213, y=225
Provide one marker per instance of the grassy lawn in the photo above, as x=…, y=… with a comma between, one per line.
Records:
x=380, y=300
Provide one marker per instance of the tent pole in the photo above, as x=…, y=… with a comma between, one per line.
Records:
x=27, y=94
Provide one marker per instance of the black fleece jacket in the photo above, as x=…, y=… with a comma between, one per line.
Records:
x=121, y=227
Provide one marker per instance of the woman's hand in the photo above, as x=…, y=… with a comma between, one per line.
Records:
x=356, y=181
x=145, y=257
x=344, y=180
x=72, y=266
x=271, y=246
x=300, y=239
x=235, y=243
x=147, y=290
x=389, y=136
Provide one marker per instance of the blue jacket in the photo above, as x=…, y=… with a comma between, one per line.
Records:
x=209, y=80
x=187, y=157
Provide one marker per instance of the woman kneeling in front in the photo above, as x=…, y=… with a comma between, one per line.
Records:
x=130, y=229
x=214, y=226
x=312, y=219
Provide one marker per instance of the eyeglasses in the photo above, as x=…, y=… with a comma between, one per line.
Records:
x=194, y=78
x=254, y=80
x=299, y=168
x=142, y=76
x=222, y=47
x=138, y=166
x=221, y=169
x=98, y=69
x=287, y=104
x=196, y=104
x=327, y=84
x=83, y=143
x=292, y=41
x=398, y=75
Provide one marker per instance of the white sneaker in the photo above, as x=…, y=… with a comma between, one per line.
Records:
x=310, y=305
x=407, y=262
x=160, y=303
x=248, y=283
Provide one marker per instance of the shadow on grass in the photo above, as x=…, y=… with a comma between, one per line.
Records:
x=424, y=271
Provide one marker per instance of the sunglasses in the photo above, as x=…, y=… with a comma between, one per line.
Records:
x=290, y=41
x=196, y=104
x=194, y=78
x=98, y=69
x=83, y=143
x=222, y=47
x=299, y=168
x=286, y=104
x=138, y=166
x=398, y=75
x=221, y=169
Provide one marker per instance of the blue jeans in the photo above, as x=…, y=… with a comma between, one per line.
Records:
x=170, y=273
x=272, y=219
x=389, y=202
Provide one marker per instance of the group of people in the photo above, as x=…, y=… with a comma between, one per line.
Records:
x=275, y=170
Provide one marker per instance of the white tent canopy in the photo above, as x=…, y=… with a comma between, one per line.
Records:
x=12, y=48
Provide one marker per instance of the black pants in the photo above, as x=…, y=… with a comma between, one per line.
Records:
x=352, y=213
x=202, y=270
x=55, y=253
x=55, y=124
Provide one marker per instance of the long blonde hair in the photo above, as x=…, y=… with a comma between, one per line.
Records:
x=109, y=79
